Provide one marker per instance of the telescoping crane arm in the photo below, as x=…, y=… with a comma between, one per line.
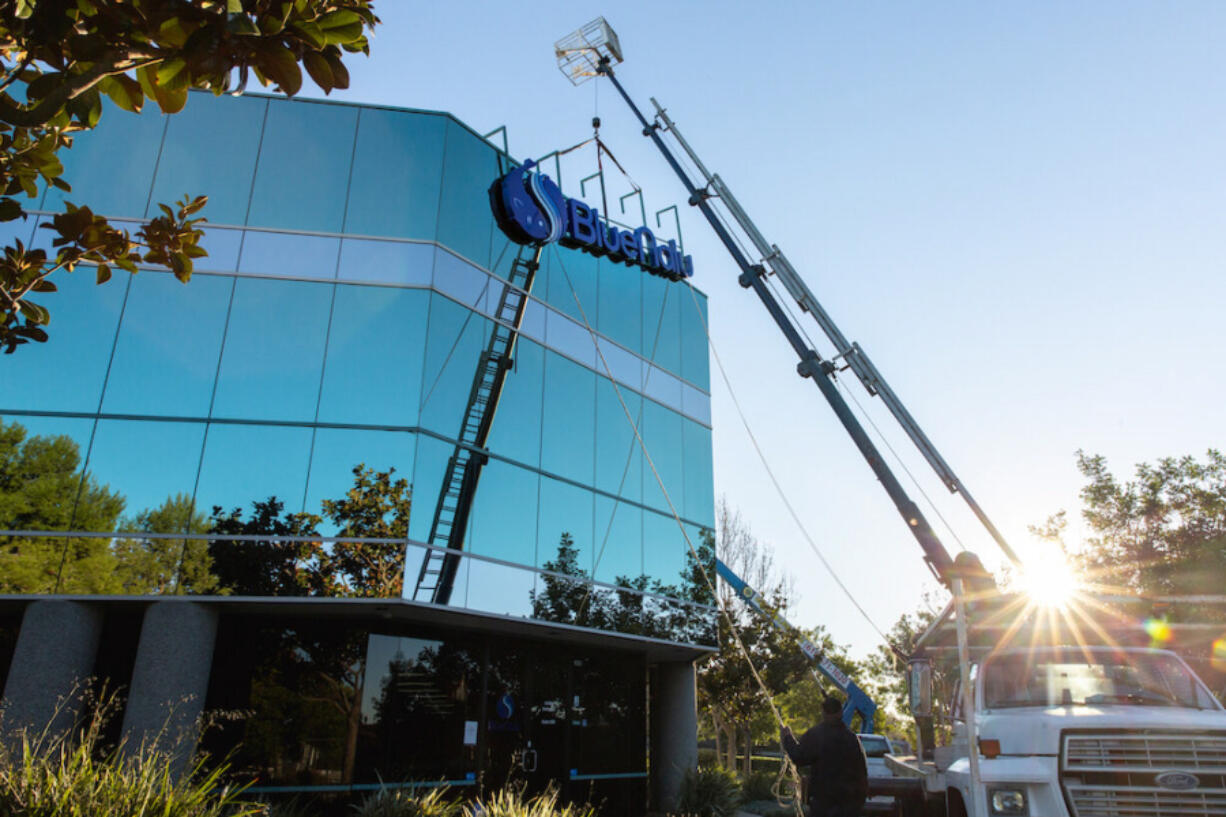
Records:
x=858, y=703
x=811, y=364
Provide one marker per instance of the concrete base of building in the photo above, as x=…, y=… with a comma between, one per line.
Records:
x=51, y=665
x=674, y=744
x=171, y=677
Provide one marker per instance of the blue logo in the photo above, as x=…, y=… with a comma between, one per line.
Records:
x=1177, y=781
x=505, y=707
x=531, y=210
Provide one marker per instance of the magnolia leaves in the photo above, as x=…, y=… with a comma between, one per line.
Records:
x=171, y=240
x=58, y=61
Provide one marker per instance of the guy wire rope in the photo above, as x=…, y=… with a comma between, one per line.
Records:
x=787, y=764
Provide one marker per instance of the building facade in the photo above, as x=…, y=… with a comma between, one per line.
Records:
x=321, y=363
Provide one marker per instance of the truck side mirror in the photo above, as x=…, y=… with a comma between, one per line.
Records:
x=919, y=687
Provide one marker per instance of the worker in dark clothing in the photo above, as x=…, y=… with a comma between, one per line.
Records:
x=838, y=773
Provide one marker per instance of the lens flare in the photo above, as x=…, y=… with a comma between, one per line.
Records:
x=1218, y=657
x=1159, y=631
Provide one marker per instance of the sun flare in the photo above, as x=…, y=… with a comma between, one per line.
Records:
x=1050, y=582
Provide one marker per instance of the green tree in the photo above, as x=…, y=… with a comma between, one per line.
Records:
x=1163, y=532
x=327, y=667
x=263, y=567
x=166, y=565
x=376, y=507
x=42, y=487
x=728, y=693
x=60, y=57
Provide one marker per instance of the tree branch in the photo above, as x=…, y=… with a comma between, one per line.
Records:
x=47, y=107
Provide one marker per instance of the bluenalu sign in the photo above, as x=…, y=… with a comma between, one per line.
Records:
x=531, y=210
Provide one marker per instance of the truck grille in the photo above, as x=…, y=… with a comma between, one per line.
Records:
x=1115, y=774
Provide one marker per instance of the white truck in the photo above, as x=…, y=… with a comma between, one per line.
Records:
x=1077, y=731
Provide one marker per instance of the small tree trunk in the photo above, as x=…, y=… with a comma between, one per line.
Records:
x=748, y=741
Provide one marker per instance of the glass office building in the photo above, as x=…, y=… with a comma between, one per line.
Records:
x=331, y=335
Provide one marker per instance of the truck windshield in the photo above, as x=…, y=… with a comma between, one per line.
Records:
x=1067, y=677
x=874, y=746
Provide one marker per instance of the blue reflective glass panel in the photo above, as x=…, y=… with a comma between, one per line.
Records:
x=429, y=468
x=386, y=262
x=624, y=366
x=110, y=168
x=274, y=350
x=516, y=429
x=695, y=360
x=456, y=338
x=568, y=441
x=619, y=459
x=661, y=324
x=696, y=404
x=664, y=548
x=222, y=246
x=619, y=540
x=338, y=451
x=570, y=338
x=375, y=345
x=397, y=169
x=572, y=274
x=166, y=356
x=470, y=165
x=494, y=588
x=699, y=490
x=663, y=387
x=303, y=170
x=621, y=304
x=503, y=521
x=533, y=324
x=146, y=460
x=464, y=282
x=289, y=254
x=249, y=463
x=662, y=434
x=564, y=509
x=210, y=148
x=66, y=373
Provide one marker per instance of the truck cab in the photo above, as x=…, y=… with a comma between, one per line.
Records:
x=1086, y=731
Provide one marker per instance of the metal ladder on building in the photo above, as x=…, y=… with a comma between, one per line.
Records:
x=438, y=570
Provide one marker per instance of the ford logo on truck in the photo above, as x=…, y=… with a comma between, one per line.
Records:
x=1177, y=781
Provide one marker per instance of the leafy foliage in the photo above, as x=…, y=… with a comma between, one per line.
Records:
x=59, y=59
x=571, y=597
x=47, y=774
x=1163, y=532
x=43, y=488
x=158, y=565
x=709, y=791
x=513, y=802
x=433, y=802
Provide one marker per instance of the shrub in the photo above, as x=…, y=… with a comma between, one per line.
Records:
x=757, y=785
x=49, y=774
x=435, y=802
x=510, y=802
x=710, y=791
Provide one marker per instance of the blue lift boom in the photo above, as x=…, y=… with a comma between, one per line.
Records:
x=858, y=703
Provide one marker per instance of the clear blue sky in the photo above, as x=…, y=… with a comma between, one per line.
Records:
x=1018, y=209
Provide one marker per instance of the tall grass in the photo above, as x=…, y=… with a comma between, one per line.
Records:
x=77, y=774
x=511, y=802
x=435, y=802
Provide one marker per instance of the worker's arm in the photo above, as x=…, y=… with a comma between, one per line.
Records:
x=803, y=752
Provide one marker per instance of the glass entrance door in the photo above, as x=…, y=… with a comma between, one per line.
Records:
x=526, y=731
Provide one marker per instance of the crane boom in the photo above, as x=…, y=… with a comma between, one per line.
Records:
x=811, y=364
x=858, y=703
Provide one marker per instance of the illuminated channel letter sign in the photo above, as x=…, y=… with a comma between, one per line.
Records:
x=531, y=210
